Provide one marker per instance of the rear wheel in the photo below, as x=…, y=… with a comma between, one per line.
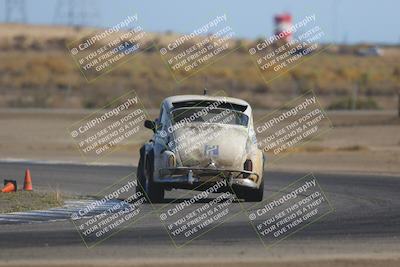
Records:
x=153, y=191
x=249, y=194
x=141, y=173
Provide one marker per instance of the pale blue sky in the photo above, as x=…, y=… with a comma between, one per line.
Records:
x=352, y=21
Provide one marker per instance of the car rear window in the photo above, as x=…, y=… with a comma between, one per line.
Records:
x=206, y=103
x=216, y=115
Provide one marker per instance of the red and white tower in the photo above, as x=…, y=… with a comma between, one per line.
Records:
x=283, y=22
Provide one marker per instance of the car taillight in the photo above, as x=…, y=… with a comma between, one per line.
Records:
x=171, y=161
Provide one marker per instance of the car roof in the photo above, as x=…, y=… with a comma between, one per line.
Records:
x=182, y=98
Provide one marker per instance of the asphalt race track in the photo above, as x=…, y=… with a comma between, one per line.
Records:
x=365, y=220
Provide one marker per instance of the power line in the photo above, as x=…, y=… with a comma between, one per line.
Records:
x=15, y=11
x=76, y=13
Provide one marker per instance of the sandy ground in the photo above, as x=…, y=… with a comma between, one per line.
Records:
x=359, y=142
x=348, y=262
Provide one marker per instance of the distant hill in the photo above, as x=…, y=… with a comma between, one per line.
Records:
x=37, y=70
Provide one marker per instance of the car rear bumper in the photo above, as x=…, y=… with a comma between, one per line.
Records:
x=190, y=175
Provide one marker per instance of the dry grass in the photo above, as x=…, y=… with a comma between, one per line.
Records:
x=36, y=70
x=353, y=148
x=29, y=200
x=320, y=149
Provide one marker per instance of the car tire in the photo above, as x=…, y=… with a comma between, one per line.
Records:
x=140, y=173
x=154, y=191
x=249, y=194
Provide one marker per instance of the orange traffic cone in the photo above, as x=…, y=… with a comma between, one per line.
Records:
x=9, y=186
x=28, y=181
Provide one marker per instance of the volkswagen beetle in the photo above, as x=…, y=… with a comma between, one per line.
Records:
x=198, y=141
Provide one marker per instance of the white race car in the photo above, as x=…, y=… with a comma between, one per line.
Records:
x=198, y=141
